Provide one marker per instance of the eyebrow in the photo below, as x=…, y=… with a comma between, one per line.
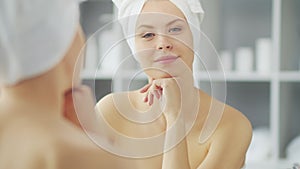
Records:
x=151, y=27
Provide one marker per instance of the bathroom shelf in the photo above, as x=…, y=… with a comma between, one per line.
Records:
x=232, y=77
x=289, y=76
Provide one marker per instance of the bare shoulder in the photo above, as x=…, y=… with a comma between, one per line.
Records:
x=106, y=106
x=230, y=141
x=110, y=105
x=73, y=149
x=236, y=124
x=31, y=141
x=20, y=140
x=46, y=143
x=232, y=121
x=232, y=138
x=108, y=102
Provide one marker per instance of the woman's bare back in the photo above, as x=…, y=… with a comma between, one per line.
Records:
x=35, y=141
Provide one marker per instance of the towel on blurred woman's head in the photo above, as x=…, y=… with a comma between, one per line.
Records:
x=34, y=36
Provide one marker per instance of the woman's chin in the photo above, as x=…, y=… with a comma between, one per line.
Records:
x=167, y=72
x=160, y=75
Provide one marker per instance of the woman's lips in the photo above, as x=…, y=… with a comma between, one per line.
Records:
x=166, y=59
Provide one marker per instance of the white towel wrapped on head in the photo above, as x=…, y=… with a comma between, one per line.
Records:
x=34, y=36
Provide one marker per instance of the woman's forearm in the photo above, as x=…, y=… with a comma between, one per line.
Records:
x=176, y=151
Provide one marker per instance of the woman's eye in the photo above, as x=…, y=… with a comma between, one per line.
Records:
x=148, y=35
x=175, y=30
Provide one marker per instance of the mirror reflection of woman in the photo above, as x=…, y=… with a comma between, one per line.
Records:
x=164, y=47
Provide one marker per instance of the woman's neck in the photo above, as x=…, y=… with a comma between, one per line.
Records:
x=35, y=96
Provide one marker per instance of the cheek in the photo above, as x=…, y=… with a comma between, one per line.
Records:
x=186, y=40
x=144, y=54
x=145, y=58
x=189, y=56
x=186, y=52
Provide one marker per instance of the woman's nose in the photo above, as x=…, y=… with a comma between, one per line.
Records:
x=163, y=43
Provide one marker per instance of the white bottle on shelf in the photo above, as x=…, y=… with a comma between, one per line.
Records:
x=244, y=60
x=225, y=63
x=263, y=55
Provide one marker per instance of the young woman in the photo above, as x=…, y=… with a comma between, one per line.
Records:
x=40, y=42
x=195, y=130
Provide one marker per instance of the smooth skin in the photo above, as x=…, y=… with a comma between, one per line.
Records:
x=170, y=35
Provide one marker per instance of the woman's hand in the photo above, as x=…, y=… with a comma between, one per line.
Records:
x=167, y=92
x=174, y=94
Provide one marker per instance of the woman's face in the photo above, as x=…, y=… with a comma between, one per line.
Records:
x=164, y=42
